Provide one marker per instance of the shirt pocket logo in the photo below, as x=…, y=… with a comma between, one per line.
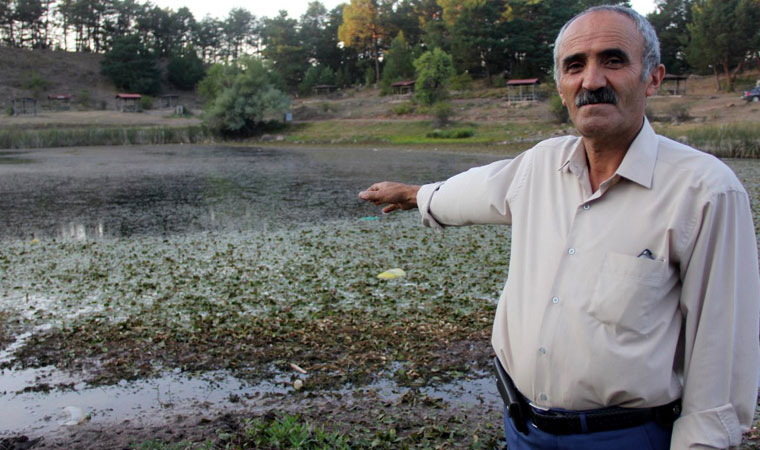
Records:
x=627, y=290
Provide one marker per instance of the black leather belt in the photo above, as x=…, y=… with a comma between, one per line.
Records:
x=572, y=422
x=615, y=418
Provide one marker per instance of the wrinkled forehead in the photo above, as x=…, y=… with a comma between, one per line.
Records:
x=599, y=31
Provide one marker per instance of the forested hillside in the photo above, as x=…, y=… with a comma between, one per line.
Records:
x=354, y=42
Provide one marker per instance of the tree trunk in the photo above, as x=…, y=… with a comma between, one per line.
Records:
x=757, y=59
x=727, y=72
x=717, y=78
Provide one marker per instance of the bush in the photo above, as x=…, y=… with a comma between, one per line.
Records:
x=403, y=109
x=461, y=82
x=559, y=111
x=441, y=112
x=35, y=83
x=461, y=133
x=240, y=97
x=146, y=103
x=679, y=112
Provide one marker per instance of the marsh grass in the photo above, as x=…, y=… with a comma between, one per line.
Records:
x=724, y=141
x=75, y=137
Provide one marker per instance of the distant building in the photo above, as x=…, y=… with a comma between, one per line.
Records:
x=523, y=90
x=59, y=102
x=673, y=84
x=169, y=101
x=24, y=106
x=403, y=87
x=128, y=102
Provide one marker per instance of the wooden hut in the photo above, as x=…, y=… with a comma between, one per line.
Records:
x=59, y=102
x=24, y=106
x=169, y=101
x=128, y=102
x=522, y=90
x=403, y=87
x=673, y=84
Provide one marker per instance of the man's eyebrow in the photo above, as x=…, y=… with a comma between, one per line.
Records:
x=573, y=58
x=615, y=53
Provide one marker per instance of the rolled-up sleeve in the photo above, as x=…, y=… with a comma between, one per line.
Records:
x=477, y=196
x=720, y=299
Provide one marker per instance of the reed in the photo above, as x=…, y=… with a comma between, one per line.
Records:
x=725, y=141
x=77, y=137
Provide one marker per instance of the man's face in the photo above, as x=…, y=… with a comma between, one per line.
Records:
x=600, y=63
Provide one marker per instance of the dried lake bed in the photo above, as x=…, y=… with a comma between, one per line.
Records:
x=157, y=291
x=139, y=285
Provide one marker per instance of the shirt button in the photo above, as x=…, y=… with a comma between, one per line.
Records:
x=555, y=300
x=571, y=251
x=586, y=206
x=542, y=350
x=543, y=397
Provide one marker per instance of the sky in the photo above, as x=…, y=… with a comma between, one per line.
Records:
x=295, y=8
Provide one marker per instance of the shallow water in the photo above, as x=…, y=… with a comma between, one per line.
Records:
x=97, y=192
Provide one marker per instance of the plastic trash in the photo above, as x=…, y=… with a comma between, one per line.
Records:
x=392, y=274
x=76, y=416
x=297, y=385
x=368, y=218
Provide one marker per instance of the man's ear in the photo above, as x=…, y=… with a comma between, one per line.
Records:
x=655, y=80
x=564, y=103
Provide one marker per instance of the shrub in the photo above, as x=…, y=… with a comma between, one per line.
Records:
x=35, y=83
x=441, y=113
x=461, y=133
x=461, y=82
x=240, y=97
x=559, y=111
x=434, y=68
x=146, y=103
x=679, y=112
x=403, y=109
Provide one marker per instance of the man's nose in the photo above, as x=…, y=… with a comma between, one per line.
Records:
x=594, y=77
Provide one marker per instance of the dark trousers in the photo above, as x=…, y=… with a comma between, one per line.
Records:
x=649, y=436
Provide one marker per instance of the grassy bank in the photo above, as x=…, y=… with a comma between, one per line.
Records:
x=417, y=133
x=76, y=137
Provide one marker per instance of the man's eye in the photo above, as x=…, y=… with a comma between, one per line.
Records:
x=574, y=67
x=615, y=62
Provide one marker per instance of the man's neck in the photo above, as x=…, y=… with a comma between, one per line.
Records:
x=602, y=162
x=604, y=155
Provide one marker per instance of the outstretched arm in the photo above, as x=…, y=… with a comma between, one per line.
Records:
x=395, y=195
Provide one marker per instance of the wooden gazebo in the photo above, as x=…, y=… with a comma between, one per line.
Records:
x=169, y=101
x=673, y=84
x=24, y=106
x=59, y=102
x=522, y=90
x=128, y=102
x=403, y=87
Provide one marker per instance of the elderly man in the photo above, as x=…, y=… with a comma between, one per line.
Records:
x=629, y=318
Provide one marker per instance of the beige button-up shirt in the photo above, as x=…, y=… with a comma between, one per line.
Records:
x=638, y=294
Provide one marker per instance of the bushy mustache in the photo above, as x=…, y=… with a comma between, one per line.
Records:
x=602, y=95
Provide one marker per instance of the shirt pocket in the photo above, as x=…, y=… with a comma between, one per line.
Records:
x=627, y=290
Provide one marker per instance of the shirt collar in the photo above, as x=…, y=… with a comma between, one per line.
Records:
x=638, y=163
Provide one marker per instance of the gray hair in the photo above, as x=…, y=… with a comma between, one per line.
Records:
x=650, y=57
